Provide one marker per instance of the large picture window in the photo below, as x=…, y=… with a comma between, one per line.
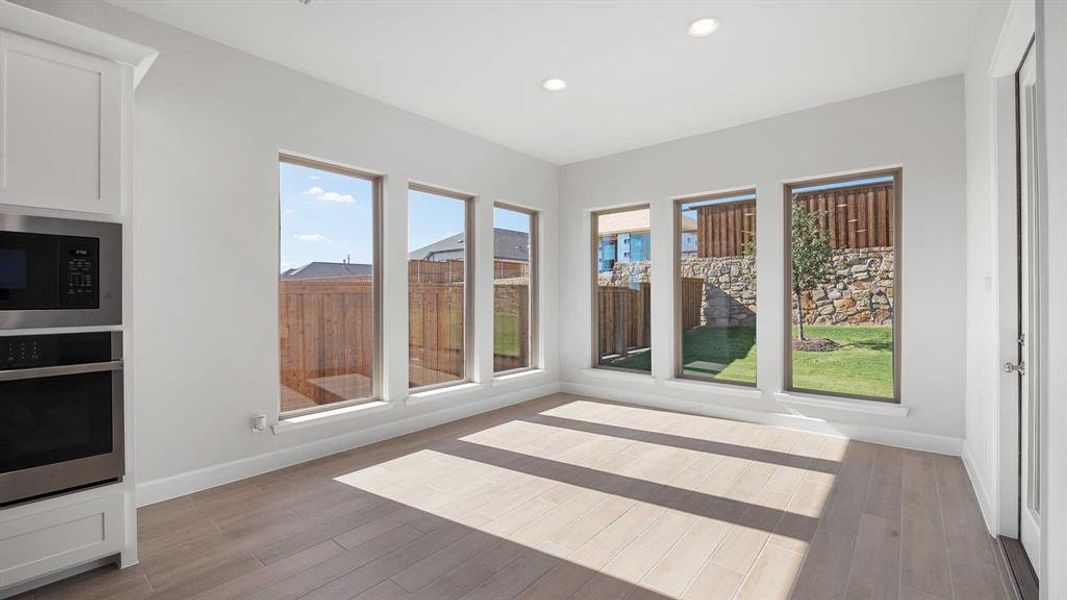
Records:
x=844, y=286
x=514, y=288
x=622, y=289
x=715, y=237
x=327, y=285
x=439, y=253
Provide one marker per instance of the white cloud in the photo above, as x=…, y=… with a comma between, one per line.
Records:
x=313, y=177
x=289, y=211
x=313, y=238
x=335, y=197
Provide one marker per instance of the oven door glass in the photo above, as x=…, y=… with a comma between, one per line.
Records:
x=51, y=420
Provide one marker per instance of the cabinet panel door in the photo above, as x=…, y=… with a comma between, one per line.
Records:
x=52, y=540
x=61, y=127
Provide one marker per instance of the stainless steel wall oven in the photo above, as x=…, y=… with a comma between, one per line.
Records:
x=61, y=413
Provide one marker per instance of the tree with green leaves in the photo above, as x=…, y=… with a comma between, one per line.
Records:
x=812, y=257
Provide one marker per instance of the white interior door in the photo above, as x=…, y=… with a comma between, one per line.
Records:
x=1029, y=319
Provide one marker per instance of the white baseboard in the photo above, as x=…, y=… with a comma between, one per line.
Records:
x=867, y=433
x=985, y=503
x=158, y=490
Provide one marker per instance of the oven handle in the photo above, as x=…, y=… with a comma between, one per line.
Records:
x=60, y=370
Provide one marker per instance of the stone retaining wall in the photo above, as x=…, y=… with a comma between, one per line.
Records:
x=863, y=295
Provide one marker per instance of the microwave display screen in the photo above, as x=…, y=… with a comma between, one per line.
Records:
x=13, y=268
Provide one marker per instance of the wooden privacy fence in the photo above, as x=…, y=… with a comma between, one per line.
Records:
x=326, y=331
x=624, y=319
x=692, y=302
x=430, y=271
x=451, y=271
x=726, y=229
x=326, y=328
x=505, y=269
x=435, y=332
x=853, y=217
x=511, y=327
x=625, y=315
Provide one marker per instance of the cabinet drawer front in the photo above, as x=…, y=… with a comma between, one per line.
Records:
x=49, y=541
x=61, y=127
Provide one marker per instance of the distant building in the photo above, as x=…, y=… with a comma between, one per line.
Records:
x=325, y=270
x=508, y=245
x=626, y=237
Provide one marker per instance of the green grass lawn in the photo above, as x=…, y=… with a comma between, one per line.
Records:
x=506, y=335
x=862, y=366
x=726, y=353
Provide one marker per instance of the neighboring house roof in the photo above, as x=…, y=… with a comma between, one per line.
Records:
x=321, y=270
x=507, y=245
x=633, y=221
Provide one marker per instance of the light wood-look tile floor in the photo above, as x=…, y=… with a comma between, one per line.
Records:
x=570, y=497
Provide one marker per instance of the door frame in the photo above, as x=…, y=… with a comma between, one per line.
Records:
x=1049, y=21
x=1015, y=44
x=1007, y=191
x=1036, y=257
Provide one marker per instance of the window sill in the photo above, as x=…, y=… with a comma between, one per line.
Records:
x=417, y=398
x=289, y=424
x=517, y=376
x=696, y=385
x=620, y=375
x=870, y=407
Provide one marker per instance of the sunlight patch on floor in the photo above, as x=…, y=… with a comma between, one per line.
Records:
x=677, y=521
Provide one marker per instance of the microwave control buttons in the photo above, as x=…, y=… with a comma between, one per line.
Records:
x=79, y=278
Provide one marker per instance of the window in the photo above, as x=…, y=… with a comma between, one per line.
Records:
x=439, y=248
x=514, y=289
x=716, y=287
x=328, y=308
x=844, y=286
x=622, y=289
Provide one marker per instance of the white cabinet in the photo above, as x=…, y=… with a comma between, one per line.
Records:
x=66, y=106
x=42, y=538
x=61, y=127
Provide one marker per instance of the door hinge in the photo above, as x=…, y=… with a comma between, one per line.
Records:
x=1022, y=339
x=1010, y=367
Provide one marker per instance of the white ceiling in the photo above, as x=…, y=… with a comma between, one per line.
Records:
x=634, y=77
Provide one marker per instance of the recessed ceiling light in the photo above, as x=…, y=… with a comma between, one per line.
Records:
x=703, y=27
x=554, y=85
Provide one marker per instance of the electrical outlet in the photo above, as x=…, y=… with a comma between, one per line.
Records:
x=259, y=423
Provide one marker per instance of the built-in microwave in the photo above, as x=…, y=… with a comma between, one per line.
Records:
x=59, y=272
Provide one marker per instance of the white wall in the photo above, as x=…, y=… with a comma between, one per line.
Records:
x=920, y=128
x=209, y=123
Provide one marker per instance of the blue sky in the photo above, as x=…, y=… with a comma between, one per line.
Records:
x=326, y=217
x=432, y=218
x=851, y=182
x=511, y=219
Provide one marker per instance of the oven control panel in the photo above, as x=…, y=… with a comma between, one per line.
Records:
x=19, y=352
x=31, y=351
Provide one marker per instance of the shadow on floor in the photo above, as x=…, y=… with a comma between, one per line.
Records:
x=438, y=515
